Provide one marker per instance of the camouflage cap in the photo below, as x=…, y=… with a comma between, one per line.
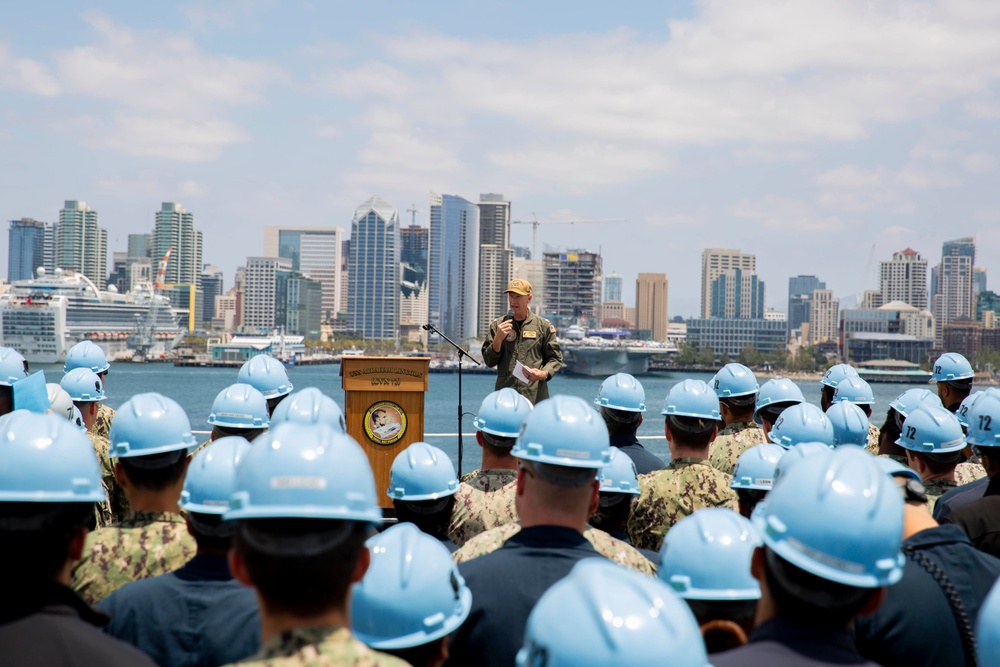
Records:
x=518, y=286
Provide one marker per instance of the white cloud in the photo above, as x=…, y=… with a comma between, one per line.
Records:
x=979, y=163
x=916, y=178
x=785, y=214
x=191, y=188
x=582, y=165
x=403, y=160
x=129, y=187
x=26, y=75
x=180, y=139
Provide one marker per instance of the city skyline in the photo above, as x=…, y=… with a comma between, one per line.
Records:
x=804, y=135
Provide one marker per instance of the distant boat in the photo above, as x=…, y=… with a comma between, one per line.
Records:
x=894, y=371
x=606, y=351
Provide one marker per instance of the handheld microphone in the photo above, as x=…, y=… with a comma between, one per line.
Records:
x=509, y=315
x=512, y=336
x=426, y=327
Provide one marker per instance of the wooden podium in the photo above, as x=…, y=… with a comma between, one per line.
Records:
x=384, y=406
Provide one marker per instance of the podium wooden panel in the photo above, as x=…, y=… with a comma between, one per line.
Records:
x=384, y=407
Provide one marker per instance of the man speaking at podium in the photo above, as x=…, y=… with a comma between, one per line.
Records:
x=523, y=346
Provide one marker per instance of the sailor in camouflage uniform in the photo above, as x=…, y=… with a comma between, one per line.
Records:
x=523, y=337
x=149, y=442
x=736, y=387
x=302, y=546
x=933, y=439
x=86, y=389
x=562, y=444
x=857, y=391
x=485, y=498
x=86, y=354
x=622, y=401
x=689, y=483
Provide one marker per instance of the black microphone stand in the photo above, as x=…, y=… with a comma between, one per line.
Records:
x=461, y=353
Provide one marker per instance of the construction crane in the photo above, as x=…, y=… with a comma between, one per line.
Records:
x=145, y=327
x=534, y=222
x=413, y=210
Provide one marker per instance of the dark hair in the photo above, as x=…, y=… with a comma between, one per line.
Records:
x=770, y=413
x=826, y=394
x=748, y=499
x=497, y=445
x=40, y=552
x=809, y=599
x=157, y=471
x=889, y=433
x=611, y=516
x=430, y=516
x=691, y=431
x=247, y=434
x=210, y=532
x=304, y=585
x=621, y=422
x=418, y=656
x=6, y=399
x=740, y=406
x=961, y=385
x=941, y=464
x=272, y=403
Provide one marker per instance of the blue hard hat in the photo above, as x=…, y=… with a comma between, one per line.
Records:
x=84, y=385
x=310, y=406
x=622, y=392
x=564, y=431
x=932, y=430
x=239, y=406
x=692, y=398
x=834, y=374
x=619, y=475
x=502, y=413
x=988, y=629
x=604, y=614
x=266, y=374
x=802, y=422
x=59, y=400
x=706, y=556
x=850, y=424
x=422, y=472
x=777, y=390
x=12, y=366
x=411, y=594
x=734, y=380
x=801, y=451
x=211, y=477
x=46, y=459
x=951, y=366
x=86, y=354
x=755, y=467
x=855, y=390
x=837, y=516
x=982, y=431
x=963, y=408
x=301, y=471
x=908, y=401
x=149, y=424
x=894, y=468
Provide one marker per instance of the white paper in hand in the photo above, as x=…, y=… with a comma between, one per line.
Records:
x=519, y=373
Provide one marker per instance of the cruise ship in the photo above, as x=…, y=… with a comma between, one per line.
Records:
x=604, y=352
x=42, y=318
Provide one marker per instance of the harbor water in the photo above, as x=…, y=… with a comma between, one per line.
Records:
x=196, y=388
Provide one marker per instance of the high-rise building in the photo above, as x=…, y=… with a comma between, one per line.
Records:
x=373, y=285
x=978, y=279
x=413, y=299
x=612, y=287
x=141, y=245
x=454, y=266
x=260, y=291
x=954, y=296
x=572, y=286
x=904, y=278
x=496, y=258
x=714, y=261
x=31, y=244
x=532, y=270
x=315, y=252
x=298, y=304
x=174, y=228
x=211, y=287
x=651, y=304
x=823, y=309
x=80, y=245
x=800, y=289
x=737, y=294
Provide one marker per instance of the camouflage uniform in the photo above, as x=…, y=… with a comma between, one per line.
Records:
x=937, y=488
x=873, y=434
x=144, y=544
x=969, y=472
x=607, y=546
x=102, y=424
x=116, y=507
x=536, y=346
x=485, y=500
x=732, y=441
x=668, y=495
x=319, y=647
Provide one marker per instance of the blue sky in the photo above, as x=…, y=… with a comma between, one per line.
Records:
x=804, y=132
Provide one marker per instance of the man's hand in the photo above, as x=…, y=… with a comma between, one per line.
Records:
x=534, y=374
x=503, y=330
